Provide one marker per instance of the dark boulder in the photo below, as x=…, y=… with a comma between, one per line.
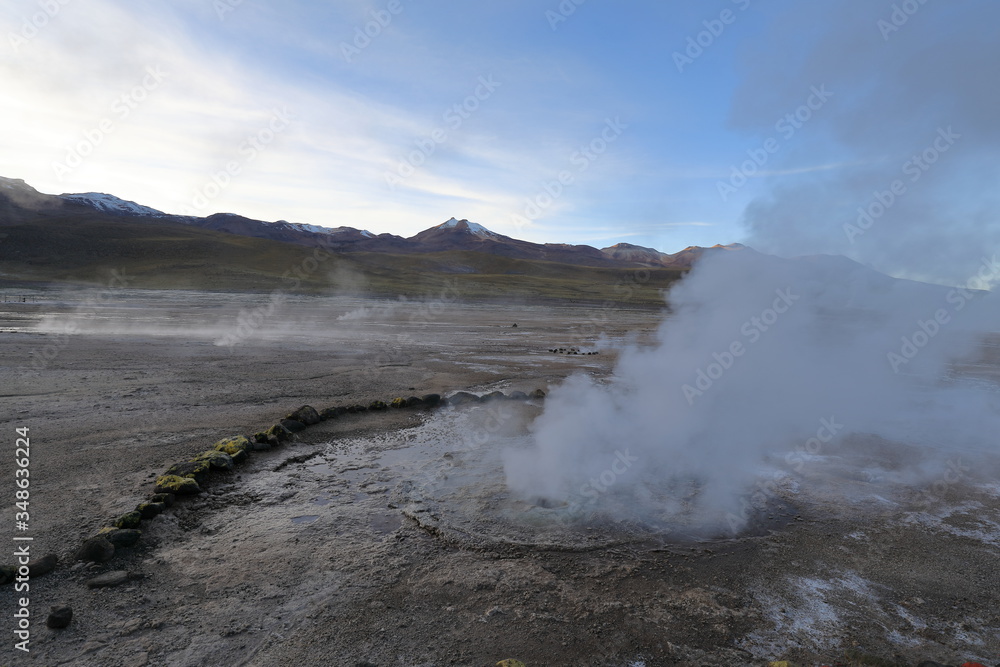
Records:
x=293, y=425
x=165, y=498
x=462, y=397
x=96, y=550
x=121, y=537
x=306, y=414
x=517, y=396
x=414, y=402
x=149, y=510
x=430, y=400
x=59, y=617
x=128, y=520
x=40, y=566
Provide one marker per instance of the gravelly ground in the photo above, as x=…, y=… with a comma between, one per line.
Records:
x=361, y=543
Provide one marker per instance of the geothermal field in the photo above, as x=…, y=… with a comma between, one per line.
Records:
x=742, y=478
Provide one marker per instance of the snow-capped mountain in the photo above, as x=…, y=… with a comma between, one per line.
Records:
x=111, y=204
x=471, y=227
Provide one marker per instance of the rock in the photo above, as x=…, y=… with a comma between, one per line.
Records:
x=431, y=400
x=537, y=394
x=462, y=397
x=260, y=446
x=128, y=520
x=273, y=441
x=279, y=432
x=293, y=425
x=510, y=662
x=7, y=574
x=398, y=402
x=165, y=498
x=306, y=414
x=493, y=396
x=196, y=470
x=108, y=579
x=121, y=537
x=216, y=460
x=39, y=566
x=96, y=550
x=149, y=510
x=357, y=408
x=181, y=486
x=232, y=446
x=414, y=401
x=517, y=396
x=59, y=617
x=326, y=414
x=259, y=436
x=378, y=405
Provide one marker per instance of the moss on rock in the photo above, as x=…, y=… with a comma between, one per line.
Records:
x=177, y=485
x=196, y=470
x=216, y=460
x=279, y=432
x=149, y=510
x=128, y=520
x=399, y=402
x=237, y=443
x=166, y=498
x=378, y=405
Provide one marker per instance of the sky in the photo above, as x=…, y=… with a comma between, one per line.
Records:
x=855, y=127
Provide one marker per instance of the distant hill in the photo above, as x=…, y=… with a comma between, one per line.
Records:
x=82, y=238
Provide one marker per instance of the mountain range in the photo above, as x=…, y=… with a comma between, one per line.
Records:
x=53, y=241
x=19, y=202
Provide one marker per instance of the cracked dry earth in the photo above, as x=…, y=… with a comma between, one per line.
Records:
x=390, y=538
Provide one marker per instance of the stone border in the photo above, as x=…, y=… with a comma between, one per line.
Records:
x=188, y=477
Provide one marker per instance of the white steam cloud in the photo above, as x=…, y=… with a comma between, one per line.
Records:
x=764, y=361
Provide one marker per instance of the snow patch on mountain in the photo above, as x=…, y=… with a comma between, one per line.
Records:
x=111, y=204
x=472, y=227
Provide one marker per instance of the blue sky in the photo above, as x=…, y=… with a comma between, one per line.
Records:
x=280, y=110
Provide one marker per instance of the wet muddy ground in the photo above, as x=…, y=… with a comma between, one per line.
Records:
x=391, y=538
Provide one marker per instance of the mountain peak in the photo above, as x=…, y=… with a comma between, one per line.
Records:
x=469, y=227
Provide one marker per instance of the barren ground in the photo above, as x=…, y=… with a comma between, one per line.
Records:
x=387, y=539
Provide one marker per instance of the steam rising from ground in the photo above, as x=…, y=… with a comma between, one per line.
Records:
x=766, y=364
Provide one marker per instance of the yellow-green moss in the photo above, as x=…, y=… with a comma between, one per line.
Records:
x=175, y=484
